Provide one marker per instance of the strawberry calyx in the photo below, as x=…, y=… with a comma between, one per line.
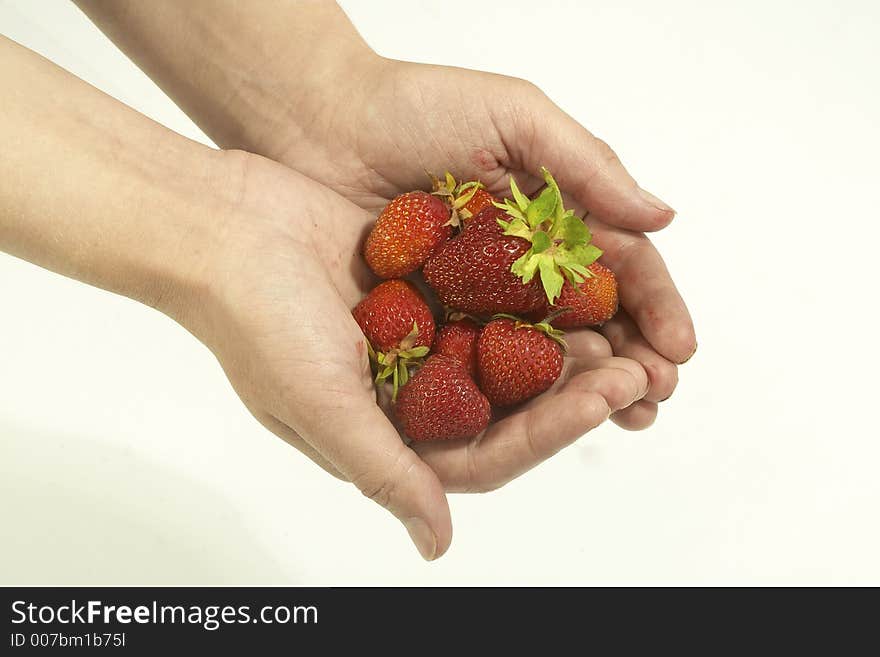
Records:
x=456, y=194
x=396, y=363
x=543, y=326
x=561, y=242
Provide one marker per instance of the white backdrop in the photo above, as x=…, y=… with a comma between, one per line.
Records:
x=125, y=457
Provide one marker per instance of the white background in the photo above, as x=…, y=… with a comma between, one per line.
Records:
x=125, y=457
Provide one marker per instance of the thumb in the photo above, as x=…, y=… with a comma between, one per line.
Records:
x=364, y=446
x=583, y=165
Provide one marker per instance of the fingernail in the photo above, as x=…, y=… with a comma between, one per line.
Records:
x=691, y=356
x=653, y=200
x=423, y=537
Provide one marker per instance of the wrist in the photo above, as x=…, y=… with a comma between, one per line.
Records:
x=176, y=270
x=300, y=104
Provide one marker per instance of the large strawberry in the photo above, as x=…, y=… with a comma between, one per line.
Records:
x=458, y=339
x=407, y=231
x=517, y=361
x=441, y=402
x=590, y=303
x=399, y=328
x=560, y=247
x=472, y=272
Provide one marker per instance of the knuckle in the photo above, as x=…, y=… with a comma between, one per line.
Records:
x=607, y=155
x=381, y=485
x=664, y=379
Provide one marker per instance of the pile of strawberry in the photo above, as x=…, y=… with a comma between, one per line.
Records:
x=509, y=274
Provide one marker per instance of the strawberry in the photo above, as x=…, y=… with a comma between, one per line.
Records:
x=407, y=231
x=458, y=339
x=399, y=328
x=441, y=402
x=466, y=198
x=472, y=271
x=591, y=303
x=478, y=202
x=559, y=242
x=517, y=361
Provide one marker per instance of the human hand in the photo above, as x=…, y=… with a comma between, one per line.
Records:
x=263, y=265
x=275, y=307
x=404, y=119
x=296, y=83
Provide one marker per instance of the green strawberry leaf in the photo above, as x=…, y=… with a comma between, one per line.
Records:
x=542, y=207
x=526, y=266
x=521, y=199
x=551, y=184
x=574, y=277
x=511, y=209
x=583, y=255
x=518, y=228
x=573, y=231
x=540, y=241
x=551, y=278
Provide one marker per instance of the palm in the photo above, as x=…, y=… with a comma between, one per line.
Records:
x=430, y=118
x=298, y=360
x=415, y=120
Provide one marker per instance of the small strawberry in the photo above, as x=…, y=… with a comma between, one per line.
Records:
x=591, y=303
x=517, y=361
x=465, y=198
x=458, y=339
x=472, y=271
x=478, y=202
x=407, y=231
x=399, y=328
x=441, y=402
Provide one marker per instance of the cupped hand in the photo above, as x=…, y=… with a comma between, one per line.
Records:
x=274, y=303
x=378, y=134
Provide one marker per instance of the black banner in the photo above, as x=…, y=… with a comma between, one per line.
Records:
x=409, y=620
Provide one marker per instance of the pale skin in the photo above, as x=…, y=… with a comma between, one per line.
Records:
x=262, y=263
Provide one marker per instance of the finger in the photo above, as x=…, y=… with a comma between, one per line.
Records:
x=587, y=344
x=619, y=392
x=537, y=431
x=514, y=445
x=544, y=135
x=528, y=184
x=626, y=340
x=647, y=292
x=645, y=287
x=640, y=415
x=292, y=438
x=353, y=434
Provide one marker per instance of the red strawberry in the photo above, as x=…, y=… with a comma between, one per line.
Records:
x=399, y=328
x=560, y=247
x=480, y=200
x=407, y=231
x=517, y=361
x=458, y=339
x=472, y=272
x=441, y=402
x=592, y=302
x=466, y=198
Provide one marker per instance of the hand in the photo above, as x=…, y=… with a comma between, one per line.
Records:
x=296, y=83
x=404, y=119
x=274, y=307
x=263, y=265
